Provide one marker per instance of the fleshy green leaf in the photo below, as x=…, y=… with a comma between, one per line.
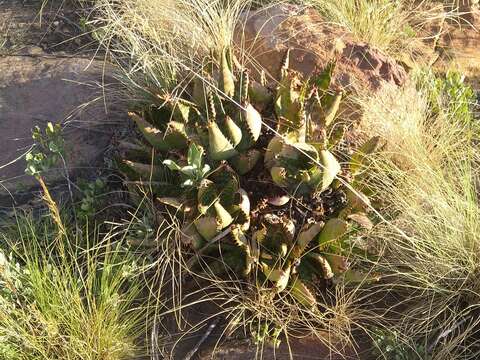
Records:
x=301, y=293
x=220, y=147
x=358, y=158
x=333, y=230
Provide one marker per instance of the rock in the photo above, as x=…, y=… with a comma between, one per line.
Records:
x=459, y=42
x=37, y=89
x=267, y=33
x=469, y=11
x=308, y=347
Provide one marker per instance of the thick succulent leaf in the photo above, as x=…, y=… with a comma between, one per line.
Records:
x=174, y=202
x=249, y=262
x=154, y=136
x=324, y=176
x=288, y=104
x=359, y=277
x=323, y=80
x=172, y=165
x=356, y=202
x=274, y=148
x=337, y=135
x=243, y=86
x=251, y=256
x=278, y=200
x=259, y=95
x=223, y=216
x=147, y=171
x=195, y=155
x=239, y=237
x=331, y=111
x=301, y=293
x=241, y=240
x=358, y=158
x=206, y=196
x=220, y=147
x=251, y=253
x=260, y=236
x=301, y=156
x=330, y=170
x=279, y=176
x=279, y=276
x=139, y=152
x=189, y=236
x=232, y=131
x=244, y=162
x=333, y=230
x=200, y=134
x=207, y=226
x=324, y=265
x=338, y=263
x=199, y=94
x=307, y=234
x=227, y=80
x=181, y=110
x=175, y=135
x=362, y=220
x=285, y=65
x=163, y=187
x=280, y=230
x=251, y=123
x=129, y=146
x=227, y=183
x=158, y=116
x=213, y=101
x=243, y=213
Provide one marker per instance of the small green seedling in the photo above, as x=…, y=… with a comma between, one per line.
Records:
x=48, y=150
x=195, y=170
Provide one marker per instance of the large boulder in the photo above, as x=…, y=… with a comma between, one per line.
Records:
x=36, y=89
x=267, y=33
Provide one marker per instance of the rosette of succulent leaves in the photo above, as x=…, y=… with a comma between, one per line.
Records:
x=202, y=154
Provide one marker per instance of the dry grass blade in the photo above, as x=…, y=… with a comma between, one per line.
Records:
x=155, y=47
x=427, y=179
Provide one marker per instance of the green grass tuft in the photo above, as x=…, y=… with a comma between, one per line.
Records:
x=67, y=302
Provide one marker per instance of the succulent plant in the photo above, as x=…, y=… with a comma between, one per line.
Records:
x=223, y=121
x=197, y=157
x=294, y=260
x=231, y=136
x=195, y=170
x=298, y=157
x=357, y=192
x=213, y=201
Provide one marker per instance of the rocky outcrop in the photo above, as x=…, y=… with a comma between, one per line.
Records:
x=36, y=89
x=266, y=34
x=459, y=40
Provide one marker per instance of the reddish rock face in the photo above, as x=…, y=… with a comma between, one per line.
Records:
x=470, y=11
x=460, y=39
x=266, y=34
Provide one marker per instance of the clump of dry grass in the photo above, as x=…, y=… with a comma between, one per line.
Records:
x=251, y=310
x=396, y=27
x=65, y=301
x=183, y=285
x=159, y=43
x=427, y=180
